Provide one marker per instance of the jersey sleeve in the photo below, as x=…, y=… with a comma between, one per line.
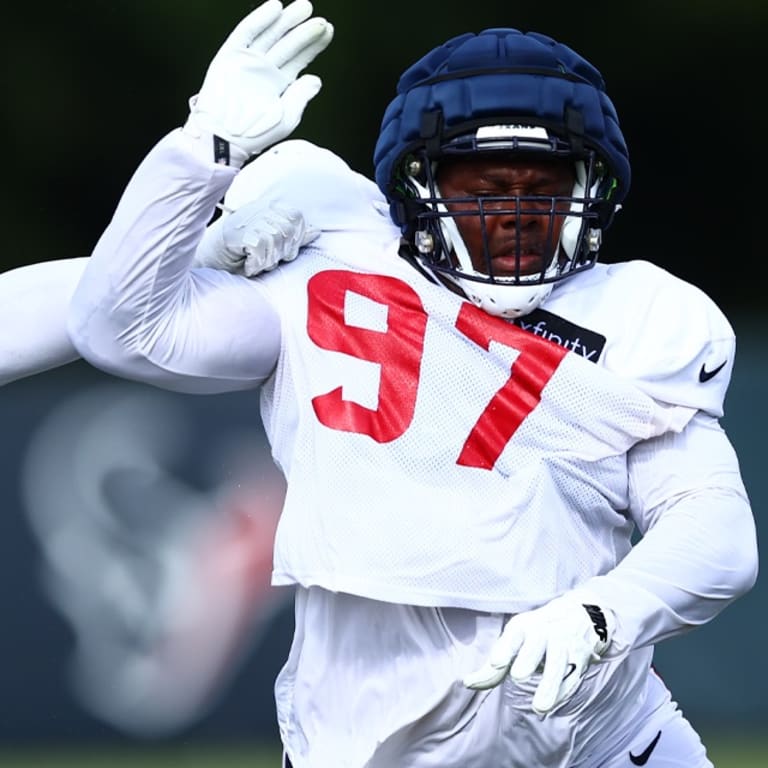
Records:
x=683, y=346
x=698, y=546
x=34, y=301
x=141, y=312
x=698, y=552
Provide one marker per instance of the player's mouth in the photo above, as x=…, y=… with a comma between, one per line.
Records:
x=505, y=264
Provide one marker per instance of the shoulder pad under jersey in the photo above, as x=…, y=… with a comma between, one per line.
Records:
x=303, y=176
x=668, y=336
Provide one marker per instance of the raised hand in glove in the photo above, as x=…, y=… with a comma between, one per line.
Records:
x=560, y=639
x=252, y=95
x=253, y=239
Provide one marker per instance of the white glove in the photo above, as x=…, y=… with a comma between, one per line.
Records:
x=251, y=97
x=562, y=638
x=253, y=239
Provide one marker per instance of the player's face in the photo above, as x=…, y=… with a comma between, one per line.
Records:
x=530, y=231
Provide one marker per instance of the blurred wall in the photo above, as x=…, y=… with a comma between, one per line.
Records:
x=137, y=530
x=80, y=445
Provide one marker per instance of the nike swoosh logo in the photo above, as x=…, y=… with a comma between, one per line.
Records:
x=705, y=375
x=571, y=670
x=642, y=758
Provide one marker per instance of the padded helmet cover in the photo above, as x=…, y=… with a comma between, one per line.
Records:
x=498, y=76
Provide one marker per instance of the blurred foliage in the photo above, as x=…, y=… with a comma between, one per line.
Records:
x=193, y=756
x=732, y=751
x=90, y=85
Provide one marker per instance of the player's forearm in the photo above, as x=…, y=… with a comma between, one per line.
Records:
x=698, y=552
x=34, y=301
x=139, y=312
x=140, y=265
x=699, y=557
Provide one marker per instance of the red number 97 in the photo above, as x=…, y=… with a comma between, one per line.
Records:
x=399, y=349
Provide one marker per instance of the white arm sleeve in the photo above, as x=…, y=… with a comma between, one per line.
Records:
x=699, y=547
x=139, y=311
x=34, y=300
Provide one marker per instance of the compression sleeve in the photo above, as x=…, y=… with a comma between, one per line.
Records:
x=698, y=552
x=140, y=312
x=34, y=300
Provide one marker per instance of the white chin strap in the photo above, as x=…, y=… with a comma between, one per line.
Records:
x=508, y=301
x=569, y=234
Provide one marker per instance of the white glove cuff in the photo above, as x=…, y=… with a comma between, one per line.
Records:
x=214, y=148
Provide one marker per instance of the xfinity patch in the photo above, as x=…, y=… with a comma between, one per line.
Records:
x=578, y=340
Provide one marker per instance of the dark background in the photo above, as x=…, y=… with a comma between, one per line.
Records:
x=90, y=86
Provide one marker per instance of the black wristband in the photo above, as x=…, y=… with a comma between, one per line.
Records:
x=220, y=151
x=598, y=621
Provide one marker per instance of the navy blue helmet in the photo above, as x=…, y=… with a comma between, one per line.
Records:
x=511, y=92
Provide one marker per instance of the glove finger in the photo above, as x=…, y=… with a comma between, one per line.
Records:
x=529, y=657
x=254, y=24
x=212, y=249
x=512, y=638
x=556, y=672
x=310, y=233
x=301, y=236
x=487, y=676
x=293, y=52
x=257, y=258
x=296, y=97
x=288, y=226
x=292, y=16
x=571, y=680
x=286, y=220
x=499, y=658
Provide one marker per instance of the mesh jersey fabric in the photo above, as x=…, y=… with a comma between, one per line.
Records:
x=408, y=480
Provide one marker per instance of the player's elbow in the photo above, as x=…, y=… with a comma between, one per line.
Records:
x=740, y=549
x=98, y=333
x=750, y=564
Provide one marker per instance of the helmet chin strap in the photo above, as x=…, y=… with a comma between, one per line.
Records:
x=569, y=234
x=508, y=301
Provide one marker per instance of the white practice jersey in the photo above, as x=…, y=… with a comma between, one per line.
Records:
x=435, y=455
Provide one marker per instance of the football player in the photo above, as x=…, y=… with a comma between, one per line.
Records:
x=474, y=417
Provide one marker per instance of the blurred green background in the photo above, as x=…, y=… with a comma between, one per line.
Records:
x=89, y=86
x=733, y=752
